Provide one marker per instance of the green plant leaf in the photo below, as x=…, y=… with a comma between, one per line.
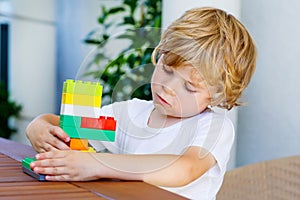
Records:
x=129, y=20
x=116, y=10
x=132, y=5
x=8, y=109
x=92, y=41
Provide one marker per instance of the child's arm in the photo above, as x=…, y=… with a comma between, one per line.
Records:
x=162, y=170
x=45, y=134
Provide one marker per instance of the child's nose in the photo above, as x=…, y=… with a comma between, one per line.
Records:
x=170, y=88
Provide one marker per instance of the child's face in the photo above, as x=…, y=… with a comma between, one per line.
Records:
x=175, y=91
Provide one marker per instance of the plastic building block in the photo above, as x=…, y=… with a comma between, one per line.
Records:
x=83, y=111
x=110, y=124
x=81, y=87
x=90, y=134
x=26, y=162
x=40, y=177
x=90, y=122
x=103, y=123
x=70, y=120
x=90, y=150
x=79, y=144
x=27, y=169
x=81, y=100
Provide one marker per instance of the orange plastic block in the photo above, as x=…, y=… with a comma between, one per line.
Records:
x=103, y=123
x=78, y=144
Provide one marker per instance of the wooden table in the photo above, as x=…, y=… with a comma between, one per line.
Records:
x=14, y=184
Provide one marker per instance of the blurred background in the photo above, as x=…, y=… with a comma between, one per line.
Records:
x=44, y=42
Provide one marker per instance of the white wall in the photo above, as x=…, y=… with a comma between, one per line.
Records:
x=173, y=9
x=32, y=59
x=269, y=127
x=76, y=18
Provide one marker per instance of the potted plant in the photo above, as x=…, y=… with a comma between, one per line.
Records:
x=8, y=109
x=126, y=74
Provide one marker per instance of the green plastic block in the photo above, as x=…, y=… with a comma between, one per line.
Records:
x=90, y=134
x=26, y=162
x=70, y=120
x=68, y=86
x=82, y=87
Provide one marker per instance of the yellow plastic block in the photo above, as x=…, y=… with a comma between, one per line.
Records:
x=79, y=144
x=91, y=150
x=82, y=87
x=81, y=100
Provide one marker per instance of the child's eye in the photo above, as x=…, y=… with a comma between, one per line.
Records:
x=167, y=69
x=189, y=88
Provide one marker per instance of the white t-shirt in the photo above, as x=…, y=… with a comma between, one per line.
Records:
x=208, y=130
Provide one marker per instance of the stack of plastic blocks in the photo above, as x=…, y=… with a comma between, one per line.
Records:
x=79, y=114
x=82, y=129
x=80, y=119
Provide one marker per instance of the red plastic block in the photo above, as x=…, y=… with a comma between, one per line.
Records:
x=102, y=123
x=88, y=122
x=110, y=124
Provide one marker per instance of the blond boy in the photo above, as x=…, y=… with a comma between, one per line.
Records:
x=205, y=59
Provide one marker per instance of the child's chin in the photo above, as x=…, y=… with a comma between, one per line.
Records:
x=161, y=109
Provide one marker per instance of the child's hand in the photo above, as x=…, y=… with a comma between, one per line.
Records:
x=67, y=165
x=45, y=135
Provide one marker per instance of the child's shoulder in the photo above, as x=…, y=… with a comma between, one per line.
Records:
x=135, y=102
x=139, y=106
x=140, y=101
x=133, y=105
x=220, y=117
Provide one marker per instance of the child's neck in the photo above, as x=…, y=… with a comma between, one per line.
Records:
x=158, y=120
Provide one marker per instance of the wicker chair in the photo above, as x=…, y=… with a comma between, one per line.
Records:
x=269, y=180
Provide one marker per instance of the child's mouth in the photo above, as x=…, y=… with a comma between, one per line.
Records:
x=162, y=100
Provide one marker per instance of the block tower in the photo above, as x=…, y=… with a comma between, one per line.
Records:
x=80, y=119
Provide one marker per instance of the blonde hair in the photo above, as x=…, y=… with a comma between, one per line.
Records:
x=218, y=46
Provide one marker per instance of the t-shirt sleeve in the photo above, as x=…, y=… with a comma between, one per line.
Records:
x=216, y=135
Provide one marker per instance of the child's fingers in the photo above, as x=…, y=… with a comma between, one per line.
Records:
x=59, y=133
x=58, y=139
x=45, y=160
x=55, y=167
x=57, y=144
x=58, y=178
x=56, y=171
x=51, y=155
x=46, y=147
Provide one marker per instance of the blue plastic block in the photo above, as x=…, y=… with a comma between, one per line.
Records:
x=39, y=177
